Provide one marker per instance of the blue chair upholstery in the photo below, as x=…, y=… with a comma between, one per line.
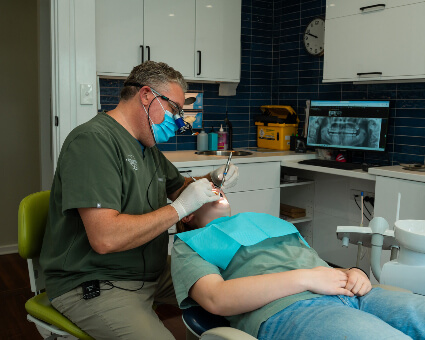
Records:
x=199, y=320
x=207, y=326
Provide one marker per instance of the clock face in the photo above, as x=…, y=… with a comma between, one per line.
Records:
x=314, y=37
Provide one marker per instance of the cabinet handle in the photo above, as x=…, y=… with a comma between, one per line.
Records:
x=373, y=6
x=199, y=63
x=142, y=52
x=369, y=73
x=149, y=52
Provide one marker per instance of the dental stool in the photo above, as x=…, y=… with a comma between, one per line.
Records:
x=206, y=326
x=32, y=217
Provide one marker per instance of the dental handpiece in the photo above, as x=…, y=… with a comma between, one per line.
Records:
x=226, y=168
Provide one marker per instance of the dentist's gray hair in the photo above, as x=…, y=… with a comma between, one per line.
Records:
x=156, y=75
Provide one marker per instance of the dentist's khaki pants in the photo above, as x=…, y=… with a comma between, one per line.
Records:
x=120, y=314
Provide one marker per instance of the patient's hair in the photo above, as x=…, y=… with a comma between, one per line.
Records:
x=182, y=227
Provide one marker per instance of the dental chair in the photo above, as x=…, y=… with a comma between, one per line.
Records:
x=32, y=217
x=206, y=326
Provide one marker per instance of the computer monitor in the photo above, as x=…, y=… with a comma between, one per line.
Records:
x=348, y=125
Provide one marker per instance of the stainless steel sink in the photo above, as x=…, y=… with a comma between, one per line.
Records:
x=224, y=153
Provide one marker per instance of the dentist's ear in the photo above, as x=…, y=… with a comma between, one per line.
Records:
x=143, y=94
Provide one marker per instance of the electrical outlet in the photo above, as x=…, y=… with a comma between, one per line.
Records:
x=355, y=192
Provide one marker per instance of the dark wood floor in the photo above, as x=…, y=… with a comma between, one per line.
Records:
x=15, y=291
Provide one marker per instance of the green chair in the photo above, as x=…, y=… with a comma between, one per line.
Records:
x=32, y=217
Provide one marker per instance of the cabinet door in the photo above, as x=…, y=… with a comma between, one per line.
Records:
x=218, y=40
x=119, y=36
x=411, y=203
x=169, y=33
x=382, y=45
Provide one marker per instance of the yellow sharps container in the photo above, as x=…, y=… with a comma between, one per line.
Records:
x=276, y=126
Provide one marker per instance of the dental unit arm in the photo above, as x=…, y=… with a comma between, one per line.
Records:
x=407, y=270
x=377, y=236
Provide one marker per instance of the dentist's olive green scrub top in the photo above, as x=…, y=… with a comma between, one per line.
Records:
x=102, y=166
x=272, y=255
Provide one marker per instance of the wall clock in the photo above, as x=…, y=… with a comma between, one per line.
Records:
x=314, y=37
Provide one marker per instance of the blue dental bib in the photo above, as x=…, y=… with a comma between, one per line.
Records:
x=220, y=239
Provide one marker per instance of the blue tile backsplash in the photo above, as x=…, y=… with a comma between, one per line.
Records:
x=275, y=69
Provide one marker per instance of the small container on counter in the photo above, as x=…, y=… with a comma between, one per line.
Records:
x=212, y=140
x=222, y=139
x=202, y=141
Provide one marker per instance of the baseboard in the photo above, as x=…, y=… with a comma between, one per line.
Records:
x=9, y=249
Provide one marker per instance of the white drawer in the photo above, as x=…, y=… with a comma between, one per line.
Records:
x=262, y=201
x=257, y=176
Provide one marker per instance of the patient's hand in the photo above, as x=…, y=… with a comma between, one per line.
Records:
x=328, y=281
x=358, y=283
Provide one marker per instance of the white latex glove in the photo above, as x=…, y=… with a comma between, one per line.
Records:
x=193, y=197
x=231, y=178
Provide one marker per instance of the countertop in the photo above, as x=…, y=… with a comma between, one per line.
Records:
x=397, y=171
x=190, y=158
x=183, y=159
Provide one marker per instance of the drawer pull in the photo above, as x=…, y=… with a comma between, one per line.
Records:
x=369, y=74
x=373, y=6
x=142, y=53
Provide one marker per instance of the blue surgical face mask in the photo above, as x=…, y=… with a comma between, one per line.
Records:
x=164, y=131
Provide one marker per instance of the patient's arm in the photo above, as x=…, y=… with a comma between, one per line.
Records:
x=246, y=294
x=358, y=282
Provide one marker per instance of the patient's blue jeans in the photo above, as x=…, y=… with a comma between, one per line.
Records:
x=380, y=314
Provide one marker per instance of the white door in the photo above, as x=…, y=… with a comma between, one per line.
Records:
x=119, y=36
x=169, y=33
x=218, y=36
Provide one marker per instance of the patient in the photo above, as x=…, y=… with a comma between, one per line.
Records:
x=276, y=287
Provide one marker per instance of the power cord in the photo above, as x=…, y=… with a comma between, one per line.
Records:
x=371, y=200
x=111, y=285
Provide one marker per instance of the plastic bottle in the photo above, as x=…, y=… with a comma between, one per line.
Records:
x=212, y=140
x=222, y=139
x=202, y=141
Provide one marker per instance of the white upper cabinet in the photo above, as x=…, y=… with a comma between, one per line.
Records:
x=199, y=38
x=338, y=8
x=119, y=36
x=375, y=45
x=169, y=33
x=218, y=34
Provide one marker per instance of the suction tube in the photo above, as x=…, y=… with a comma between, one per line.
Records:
x=378, y=225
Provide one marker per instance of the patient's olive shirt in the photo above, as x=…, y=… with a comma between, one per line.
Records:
x=279, y=254
x=102, y=166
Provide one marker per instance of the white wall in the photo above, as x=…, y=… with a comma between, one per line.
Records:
x=48, y=51
x=19, y=132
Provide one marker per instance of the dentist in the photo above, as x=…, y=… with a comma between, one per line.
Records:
x=105, y=248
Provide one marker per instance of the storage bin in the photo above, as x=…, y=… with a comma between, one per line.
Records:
x=275, y=136
x=276, y=126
